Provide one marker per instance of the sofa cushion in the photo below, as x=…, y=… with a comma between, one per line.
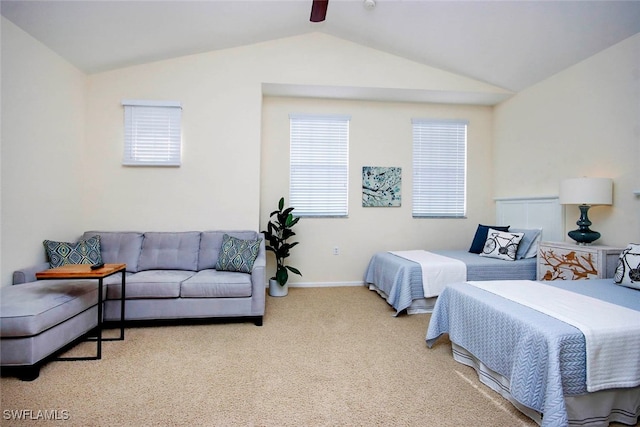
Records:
x=113, y=284
x=82, y=252
x=150, y=284
x=211, y=243
x=34, y=307
x=119, y=247
x=216, y=284
x=170, y=251
x=237, y=254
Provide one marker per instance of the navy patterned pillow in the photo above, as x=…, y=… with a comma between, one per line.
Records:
x=83, y=252
x=480, y=237
x=237, y=254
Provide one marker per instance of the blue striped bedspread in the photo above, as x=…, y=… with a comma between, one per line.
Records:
x=401, y=279
x=543, y=358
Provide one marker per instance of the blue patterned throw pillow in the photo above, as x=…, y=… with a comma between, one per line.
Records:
x=83, y=252
x=480, y=237
x=237, y=254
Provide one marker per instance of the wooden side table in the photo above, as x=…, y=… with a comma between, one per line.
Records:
x=84, y=271
x=569, y=261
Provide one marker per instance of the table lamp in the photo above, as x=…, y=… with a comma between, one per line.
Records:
x=585, y=192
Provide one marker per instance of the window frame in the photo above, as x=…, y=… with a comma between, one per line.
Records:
x=308, y=132
x=154, y=127
x=447, y=140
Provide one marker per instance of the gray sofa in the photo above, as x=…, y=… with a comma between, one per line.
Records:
x=169, y=276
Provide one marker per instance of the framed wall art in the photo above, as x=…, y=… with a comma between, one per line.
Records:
x=381, y=186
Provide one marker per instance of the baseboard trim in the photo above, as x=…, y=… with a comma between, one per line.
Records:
x=323, y=284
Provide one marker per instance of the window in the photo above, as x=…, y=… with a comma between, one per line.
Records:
x=152, y=133
x=439, y=168
x=319, y=165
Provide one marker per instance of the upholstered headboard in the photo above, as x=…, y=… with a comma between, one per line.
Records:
x=533, y=212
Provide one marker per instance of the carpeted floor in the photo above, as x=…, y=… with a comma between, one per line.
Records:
x=324, y=357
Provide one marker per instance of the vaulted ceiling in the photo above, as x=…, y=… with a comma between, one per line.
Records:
x=510, y=44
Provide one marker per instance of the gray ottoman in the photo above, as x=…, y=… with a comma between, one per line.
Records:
x=39, y=318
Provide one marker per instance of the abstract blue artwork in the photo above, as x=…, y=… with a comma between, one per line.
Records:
x=381, y=186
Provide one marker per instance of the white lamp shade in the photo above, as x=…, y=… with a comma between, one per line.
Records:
x=586, y=191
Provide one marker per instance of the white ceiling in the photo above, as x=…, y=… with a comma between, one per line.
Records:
x=510, y=44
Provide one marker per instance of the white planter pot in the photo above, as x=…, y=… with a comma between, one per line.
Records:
x=275, y=290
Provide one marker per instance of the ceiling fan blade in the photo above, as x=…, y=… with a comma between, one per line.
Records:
x=319, y=10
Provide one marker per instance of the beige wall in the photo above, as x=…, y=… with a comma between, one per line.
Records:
x=43, y=106
x=218, y=185
x=79, y=136
x=584, y=121
x=379, y=135
x=220, y=182
x=62, y=145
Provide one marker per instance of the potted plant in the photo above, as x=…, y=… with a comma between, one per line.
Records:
x=277, y=234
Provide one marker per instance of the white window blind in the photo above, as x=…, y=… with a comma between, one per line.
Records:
x=153, y=135
x=439, y=168
x=319, y=165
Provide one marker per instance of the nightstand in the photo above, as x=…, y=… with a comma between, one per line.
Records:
x=569, y=261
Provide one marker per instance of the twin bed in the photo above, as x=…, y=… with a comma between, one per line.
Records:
x=583, y=370
x=563, y=352
x=398, y=278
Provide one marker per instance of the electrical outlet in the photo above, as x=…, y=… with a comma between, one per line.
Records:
x=336, y=250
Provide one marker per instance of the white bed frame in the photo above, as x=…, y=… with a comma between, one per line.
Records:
x=533, y=212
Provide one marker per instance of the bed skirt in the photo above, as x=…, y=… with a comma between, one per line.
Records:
x=593, y=409
x=418, y=306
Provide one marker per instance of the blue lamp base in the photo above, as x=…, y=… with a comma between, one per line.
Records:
x=584, y=235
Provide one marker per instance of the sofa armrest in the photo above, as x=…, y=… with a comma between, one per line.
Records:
x=28, y=274
x=259, y=280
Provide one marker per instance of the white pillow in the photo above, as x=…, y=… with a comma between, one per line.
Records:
x=628, y=269
x=501, y=245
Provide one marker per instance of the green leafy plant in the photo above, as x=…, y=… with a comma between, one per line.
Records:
x=277, y=234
